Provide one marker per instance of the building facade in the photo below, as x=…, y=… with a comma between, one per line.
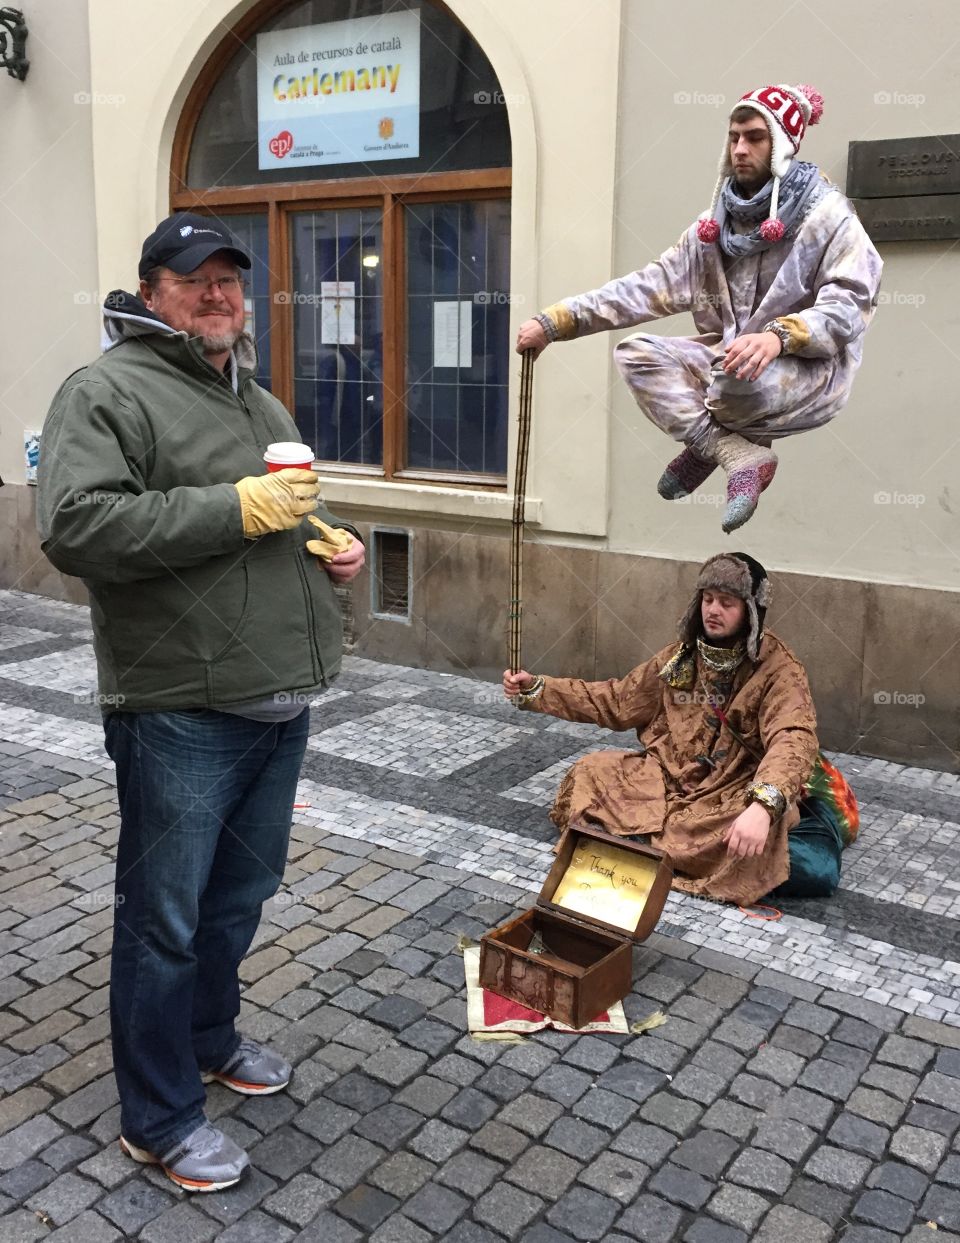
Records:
x=500, y=157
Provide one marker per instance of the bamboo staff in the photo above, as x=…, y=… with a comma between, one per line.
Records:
x=519, y=506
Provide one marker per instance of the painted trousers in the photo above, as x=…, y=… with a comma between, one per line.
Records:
x=680, y=385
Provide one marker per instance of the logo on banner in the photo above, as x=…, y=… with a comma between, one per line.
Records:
x=281, y=144
x=386, y=127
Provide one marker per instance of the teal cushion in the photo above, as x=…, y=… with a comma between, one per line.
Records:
x=815, y=846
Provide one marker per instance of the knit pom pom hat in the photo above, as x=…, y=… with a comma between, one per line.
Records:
x=741, y=575
x=787, y=110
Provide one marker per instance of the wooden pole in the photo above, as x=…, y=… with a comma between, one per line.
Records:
x=519, y=506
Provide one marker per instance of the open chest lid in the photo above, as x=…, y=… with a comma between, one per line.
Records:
x=609, y=882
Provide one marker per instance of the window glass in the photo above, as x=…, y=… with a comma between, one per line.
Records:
x=458, y=348
x=338, y=333
x=463, y=119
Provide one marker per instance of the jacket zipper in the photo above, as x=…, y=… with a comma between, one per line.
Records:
x=318, y=669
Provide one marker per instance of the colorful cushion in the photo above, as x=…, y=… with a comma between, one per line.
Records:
x=828, y=785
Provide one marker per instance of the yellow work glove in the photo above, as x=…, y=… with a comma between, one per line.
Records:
x=276, y=502
x=333, y=540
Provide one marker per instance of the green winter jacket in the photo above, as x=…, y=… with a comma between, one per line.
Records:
x=138, y=457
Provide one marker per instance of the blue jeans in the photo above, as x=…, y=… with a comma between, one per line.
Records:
x=206, y=800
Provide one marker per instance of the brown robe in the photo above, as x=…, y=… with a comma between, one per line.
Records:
x=664, y=791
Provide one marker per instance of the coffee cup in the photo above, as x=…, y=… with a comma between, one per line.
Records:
x=286, y=454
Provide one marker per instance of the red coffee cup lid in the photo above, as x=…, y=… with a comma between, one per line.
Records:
x=288, y=451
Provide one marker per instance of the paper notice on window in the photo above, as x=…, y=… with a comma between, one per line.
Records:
x=453, y=334
x=338, y=313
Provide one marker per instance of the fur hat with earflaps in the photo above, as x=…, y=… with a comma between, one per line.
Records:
x=741, y=575
x=787, y=110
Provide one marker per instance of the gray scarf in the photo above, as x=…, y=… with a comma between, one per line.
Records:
x=800, y=189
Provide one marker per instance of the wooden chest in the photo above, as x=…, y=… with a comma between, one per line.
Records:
x=571, y=955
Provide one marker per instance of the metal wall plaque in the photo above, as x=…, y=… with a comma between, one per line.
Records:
x=915, y=219
x=907, y=166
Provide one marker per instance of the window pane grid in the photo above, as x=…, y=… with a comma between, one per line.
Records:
x=338, y=333
x=458, y=348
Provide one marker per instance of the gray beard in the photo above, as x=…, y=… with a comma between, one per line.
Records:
x=219, y=344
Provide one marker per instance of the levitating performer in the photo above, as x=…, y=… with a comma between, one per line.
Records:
x=781, y=280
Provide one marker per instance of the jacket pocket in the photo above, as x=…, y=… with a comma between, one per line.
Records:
x=239, y=588
x=271, y=648
x=163, y=632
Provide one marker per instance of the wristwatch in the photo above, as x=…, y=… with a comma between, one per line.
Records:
x=780, y=330
x=771, y=798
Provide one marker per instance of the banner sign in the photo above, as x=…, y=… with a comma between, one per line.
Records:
x=345, y=92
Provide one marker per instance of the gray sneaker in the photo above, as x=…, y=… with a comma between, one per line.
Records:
x=252, y=1070
x=207, y=1160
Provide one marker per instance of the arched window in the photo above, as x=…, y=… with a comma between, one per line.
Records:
x=361, y=150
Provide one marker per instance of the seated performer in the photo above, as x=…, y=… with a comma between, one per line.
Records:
x=727, y=728
x=781, y=280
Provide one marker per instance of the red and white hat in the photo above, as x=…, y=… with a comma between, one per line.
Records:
x=787, y=110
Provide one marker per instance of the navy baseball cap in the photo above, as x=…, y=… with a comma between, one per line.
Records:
x=184, y=240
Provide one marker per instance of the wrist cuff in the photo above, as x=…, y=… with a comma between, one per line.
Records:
x=532, y=693
x=792, y=331
x=548, y=326
x=769, y=796
x=558, y=322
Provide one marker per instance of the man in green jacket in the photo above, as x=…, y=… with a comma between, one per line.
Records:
x=213, y=619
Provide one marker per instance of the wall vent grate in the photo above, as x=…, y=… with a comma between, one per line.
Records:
x=392, y=573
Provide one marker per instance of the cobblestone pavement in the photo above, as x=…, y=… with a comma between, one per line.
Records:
x=806, y=1086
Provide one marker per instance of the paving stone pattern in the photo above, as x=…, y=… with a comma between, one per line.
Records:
x=806, y=1085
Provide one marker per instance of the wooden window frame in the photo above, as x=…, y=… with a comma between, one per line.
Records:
x=278, y=200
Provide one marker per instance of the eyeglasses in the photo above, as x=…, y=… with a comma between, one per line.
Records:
x=203, y=284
